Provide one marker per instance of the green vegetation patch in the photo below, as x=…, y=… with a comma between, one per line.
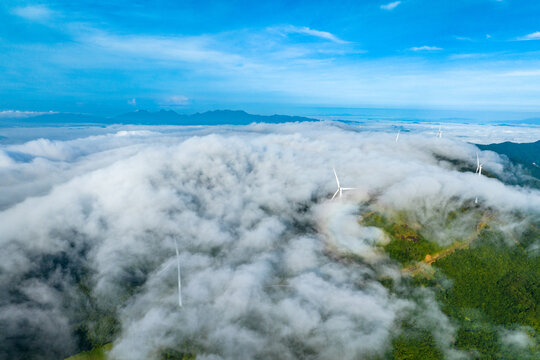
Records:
x=503, y=282
x=99, y=353
x=406, y=245
x=493, y=286
x=415, y=345
x=97, y=325
x=488, y=288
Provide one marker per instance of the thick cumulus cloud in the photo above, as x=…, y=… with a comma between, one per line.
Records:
x=270, y=266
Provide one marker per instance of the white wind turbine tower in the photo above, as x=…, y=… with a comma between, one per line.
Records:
x=340, y=189
x=478, y=171
x=179, y=279
x=439, y=133
x=397, y=136
x=478, y=165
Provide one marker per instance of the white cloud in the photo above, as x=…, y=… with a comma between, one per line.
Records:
x=17, y=114
x=177, y=100
x=198, y=50
x=516, y=338
x=425, y=48
x=312, y=32
x=522, y=73
x=33, y=12
x=469, y=56
x=531, y=36
x=390, y=6
x=265, y=256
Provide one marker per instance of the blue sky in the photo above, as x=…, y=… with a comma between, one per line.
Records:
x=105, y=57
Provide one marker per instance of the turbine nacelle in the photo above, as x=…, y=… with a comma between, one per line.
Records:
x=340, y=189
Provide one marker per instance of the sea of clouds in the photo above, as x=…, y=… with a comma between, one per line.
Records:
x=265, y=254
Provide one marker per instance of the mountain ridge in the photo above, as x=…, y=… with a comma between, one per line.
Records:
x=161, y=117
x=525, y=154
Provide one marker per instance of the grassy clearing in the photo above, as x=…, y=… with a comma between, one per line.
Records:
x=406, y=245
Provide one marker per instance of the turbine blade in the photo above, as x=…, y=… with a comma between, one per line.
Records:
x=477, y=160
x=337, y=180
x=335, y=194
x=349, y=189
x=163, y=270
x=179, y=278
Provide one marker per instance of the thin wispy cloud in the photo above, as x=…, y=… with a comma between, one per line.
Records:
x=18, y=114
x=523, y=73
x=532, y=36
x=391, y=6
x=171, y=48
x=178, y=100
x=425, y=48
x=33, y=12
x=316, y=33
x=469, y=56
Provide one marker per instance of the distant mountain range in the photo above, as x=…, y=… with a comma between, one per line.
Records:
x=217, y=117
x=162, y=117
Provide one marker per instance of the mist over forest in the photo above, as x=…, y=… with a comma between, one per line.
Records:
x=271, y=266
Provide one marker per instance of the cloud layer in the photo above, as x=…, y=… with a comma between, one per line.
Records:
x=265, y=256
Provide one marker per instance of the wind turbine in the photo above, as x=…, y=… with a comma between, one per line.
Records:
x=397, y=136
x=340, y=189
x=179, y=279
x=478, y=171
x=478, y=165
x=439, y=133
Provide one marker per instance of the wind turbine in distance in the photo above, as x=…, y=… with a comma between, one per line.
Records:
x=340, y=189
x=179, y=279
x=478, y=171
x=478, y=165
x=439, y=133
x=397, y=136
